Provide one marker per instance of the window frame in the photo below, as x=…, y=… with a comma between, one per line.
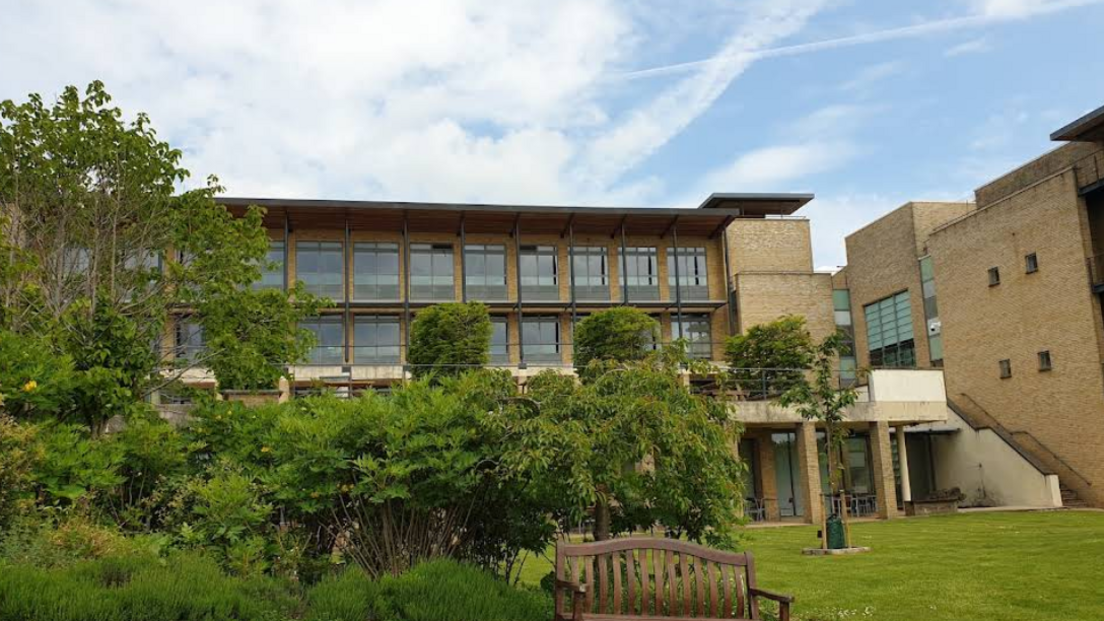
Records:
x=696, y=347
x=321, y=248
x=318, y=322
x=1005, y=367
x=485, y=286
x=533, y=282
x=1046, y=362
x=548, y=352
x=641, y=286
x=435, y=290
x=387, y=358
x=994, y=276
x=691, y=284
x=590, y=286
x=1031, y=263
x=367, y=285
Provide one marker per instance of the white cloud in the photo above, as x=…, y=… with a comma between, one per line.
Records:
x=973, y=46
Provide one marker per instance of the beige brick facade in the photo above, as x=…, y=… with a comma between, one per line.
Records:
x=1058, y=414
x=883, y=260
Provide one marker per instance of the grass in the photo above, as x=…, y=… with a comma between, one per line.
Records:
x=1006, y=566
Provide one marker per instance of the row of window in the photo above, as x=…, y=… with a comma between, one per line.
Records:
x=320, y=265
x=1031, y=265
x=377, y=339
x=1044, y=360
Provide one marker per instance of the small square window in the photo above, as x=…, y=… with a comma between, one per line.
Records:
x=994, y=276
x=1005, y=369
x=1044, y=361
x=1032, y=263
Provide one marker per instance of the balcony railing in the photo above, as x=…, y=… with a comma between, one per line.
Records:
x=1089, y=170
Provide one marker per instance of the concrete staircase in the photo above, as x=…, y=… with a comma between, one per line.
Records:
x=1070, y=499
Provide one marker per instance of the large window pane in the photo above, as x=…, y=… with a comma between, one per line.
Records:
x=693, y=276
x=190, y=343
x=641, y=274
x=431, y=272
x=272, y=271
x=376, y=339
x=329, y=335
x=697, y=330
x=375, y=271
x=889, y=332
x=500, y=340
x=541, y=338
x=539, y=273
x=485, y=271
x=321, y=267
x=591, y=274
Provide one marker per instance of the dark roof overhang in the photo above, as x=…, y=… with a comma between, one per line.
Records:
x=1088, y=128
x=480, y=218
x=757, y=205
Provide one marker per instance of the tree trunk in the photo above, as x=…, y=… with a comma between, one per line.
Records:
x=602, y=516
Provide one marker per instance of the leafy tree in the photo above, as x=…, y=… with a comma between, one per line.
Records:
x=447, y=339
x=823, y=400
x=34, y=382
x=636, y=444
x=102, y=249
x=611, y=336
x=769, y=358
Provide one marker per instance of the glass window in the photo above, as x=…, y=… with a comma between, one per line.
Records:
x=539, y=273
x=431, y=272
x=321, y=267
x=931, y=311
x=329, y=336
x=272, y=271
x=641, y=273
x=889, y=332
x=1045, y=363
x=376, y=339
x=697, y=330
x=693, y=277
x=375, y=271
x=1031, y=263
x=541, y=338
x=1005, y=369
x=994, y=276
x=500, y=340
x=591, y=273
x=485, y=271
x=190, y=343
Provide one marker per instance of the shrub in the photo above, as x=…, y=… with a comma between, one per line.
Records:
x=614, y=335
x=348, y=596
x=765, y=361
x=35, y=382
x=446, y=339
x=185, y=586
x=19, y=455
x=445, y=590
x=76, y=466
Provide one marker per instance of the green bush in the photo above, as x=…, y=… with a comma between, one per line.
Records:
x=183, y=587
x=348, y=596
x=447, y=339
x=448, y=591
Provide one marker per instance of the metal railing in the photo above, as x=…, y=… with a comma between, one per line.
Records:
x=1089, y=170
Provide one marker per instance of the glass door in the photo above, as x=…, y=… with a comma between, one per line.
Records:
x=787, y=476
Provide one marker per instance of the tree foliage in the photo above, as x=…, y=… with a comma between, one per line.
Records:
x=637, y=445
x=447, y=339
x=769, y=358
x=611, y=336
x=100, y=249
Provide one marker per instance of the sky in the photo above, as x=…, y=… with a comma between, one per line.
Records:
x=866, y=103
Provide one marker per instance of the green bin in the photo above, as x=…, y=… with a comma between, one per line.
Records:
x=836, y=538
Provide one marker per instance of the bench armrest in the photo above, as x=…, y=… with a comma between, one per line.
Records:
x=578, y=597
x=784, y=602
x=782, y=599
x=573, y=587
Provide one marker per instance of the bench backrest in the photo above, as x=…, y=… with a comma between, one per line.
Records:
x=658, y=577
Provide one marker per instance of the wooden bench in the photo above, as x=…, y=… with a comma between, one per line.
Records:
x=651, y=579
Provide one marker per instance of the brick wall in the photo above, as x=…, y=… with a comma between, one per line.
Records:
x=1052, y=309
x=769, y=245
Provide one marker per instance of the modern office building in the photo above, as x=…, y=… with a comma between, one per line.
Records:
x=705, y=273
x=1005, y=295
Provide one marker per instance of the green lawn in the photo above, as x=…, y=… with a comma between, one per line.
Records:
x=999, y=566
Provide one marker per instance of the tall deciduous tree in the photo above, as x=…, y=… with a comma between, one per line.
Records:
x=447, y=339
x=769, y=358
x=612, y=336
x=824, y=400
x=637, y=444
x=108, y=249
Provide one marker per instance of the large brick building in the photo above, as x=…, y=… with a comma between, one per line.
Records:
x=1005, y=295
